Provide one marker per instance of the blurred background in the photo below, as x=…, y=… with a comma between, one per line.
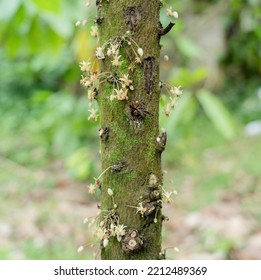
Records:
x=49, y=151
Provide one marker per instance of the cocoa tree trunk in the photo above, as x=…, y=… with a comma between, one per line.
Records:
x=131, y=143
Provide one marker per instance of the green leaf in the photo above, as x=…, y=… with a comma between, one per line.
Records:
x=217, y=113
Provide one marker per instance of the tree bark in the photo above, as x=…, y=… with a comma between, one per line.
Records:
x=131, y=143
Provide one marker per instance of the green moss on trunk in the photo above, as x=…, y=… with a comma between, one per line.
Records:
x=131, y=147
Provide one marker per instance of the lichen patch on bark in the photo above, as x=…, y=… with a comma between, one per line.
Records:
x=133, y=17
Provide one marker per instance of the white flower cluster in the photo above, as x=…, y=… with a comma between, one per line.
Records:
x=169, y=10
x=124, y=84
x=172, y=13
x=105, y=229
x=167, y=196
x=110, y=227
x=90, y=81
x=174, y=95
x=113, y=52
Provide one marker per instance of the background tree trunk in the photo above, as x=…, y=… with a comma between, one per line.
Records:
x=130, y=129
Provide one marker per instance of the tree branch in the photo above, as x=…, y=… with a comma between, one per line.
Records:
x=167, y=29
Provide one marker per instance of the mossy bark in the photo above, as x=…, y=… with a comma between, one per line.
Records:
x=130, y=146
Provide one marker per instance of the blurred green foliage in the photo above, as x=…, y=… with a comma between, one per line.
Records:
x=41, y=100
x=242, y=60
x=243, y=37
x=37, y=47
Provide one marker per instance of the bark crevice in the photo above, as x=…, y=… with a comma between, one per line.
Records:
x=149, y=65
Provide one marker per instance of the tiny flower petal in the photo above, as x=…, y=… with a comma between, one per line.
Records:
x=116, y=61
x=99, y=53
x=153, y=178
x=85, y=66
x=93, y=114
x=176, y=249
x=175, y=14
x=91, y=188
x=140, y=52
x=176, y=90
x=166, y=57
x=112, y=97
x=105, y=242
x=169, y=11
x=110, y=192
x=94, y=31
x=84, y=21
x=80, y=249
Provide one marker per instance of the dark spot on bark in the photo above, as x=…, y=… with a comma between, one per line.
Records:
x=165, y=218
x=95, y=93
x=151, y=206
x=161, y=141
x=133, y=17
x=104, y=133
x=154, y=195
x=138, y=110
x=149, y=65
x=99, y=20
x=119, y=167
x=99, y=4
x=98, y=183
